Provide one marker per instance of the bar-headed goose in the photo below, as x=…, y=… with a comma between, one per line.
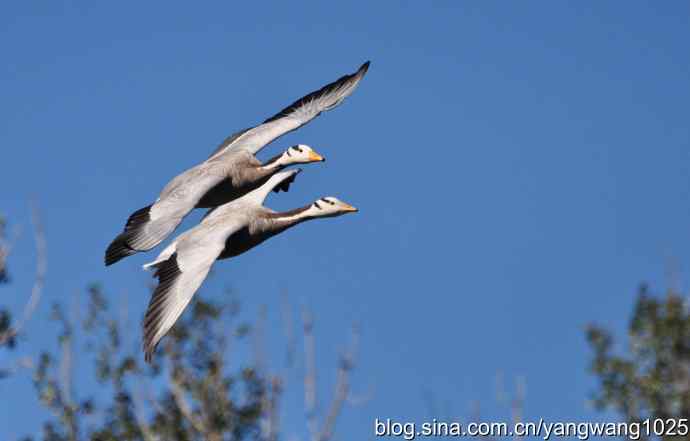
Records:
x=227, y=231
x=230, y=172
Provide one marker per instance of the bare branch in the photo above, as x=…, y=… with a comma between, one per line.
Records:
x=141, y=418
x=149, y=398
x=272, y=422
x=342, y=388
x=66, y=346
x=258, y=341
x=39, y=280
x=181, y=401
x=288, y=327
x=270, y=403
x=518, y=403
x=310, y=374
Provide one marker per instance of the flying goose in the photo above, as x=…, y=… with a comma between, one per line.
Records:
x=227, y=231
x=231, y=171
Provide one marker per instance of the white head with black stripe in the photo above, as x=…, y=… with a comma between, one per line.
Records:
x=299, y=154
x=330, y=207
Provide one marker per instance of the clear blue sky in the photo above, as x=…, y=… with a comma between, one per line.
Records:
x=520, y=168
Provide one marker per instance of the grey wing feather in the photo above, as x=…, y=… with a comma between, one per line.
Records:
x=182, y=194
x=148, y=227
x=296, y=114
x=181, y=269
x=227, y=142
x=179, y=277
x=329, y=96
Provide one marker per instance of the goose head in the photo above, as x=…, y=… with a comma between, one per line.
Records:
x=300, y=154
x=330, y=207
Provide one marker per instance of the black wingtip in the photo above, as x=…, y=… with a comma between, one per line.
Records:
x=348, y=81
x=139, y=218
x=120, y=248
x=148, y=352
x=166, y=273
x=114, y=253
x=117, y=250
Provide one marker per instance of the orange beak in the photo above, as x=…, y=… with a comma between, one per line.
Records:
x=315, y=157
x=349, y=208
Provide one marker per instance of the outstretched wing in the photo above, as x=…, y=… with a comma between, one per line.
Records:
x=179, y=277
x=295, y=115
x=227, y=143
x=149, y=226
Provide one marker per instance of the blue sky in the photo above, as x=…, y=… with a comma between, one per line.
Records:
x=520, y=168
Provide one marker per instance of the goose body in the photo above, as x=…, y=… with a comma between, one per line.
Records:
x=226, y=231
x=230, y=172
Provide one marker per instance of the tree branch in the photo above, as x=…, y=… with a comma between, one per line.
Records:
x=272, y=421
x=342, y=388
x=141, y=418
x=310, y=374
x=288, y=328
x=39, y=280
x=181, y=401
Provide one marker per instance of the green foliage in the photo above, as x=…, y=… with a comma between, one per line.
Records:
x=652, y=378
x=198, y=398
